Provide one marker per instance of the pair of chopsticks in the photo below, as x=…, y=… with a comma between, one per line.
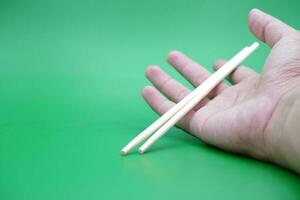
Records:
x=170, y=118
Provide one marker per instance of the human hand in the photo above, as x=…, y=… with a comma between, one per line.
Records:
x=255, y=116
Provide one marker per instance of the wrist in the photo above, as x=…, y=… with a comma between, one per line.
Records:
x=283, y=132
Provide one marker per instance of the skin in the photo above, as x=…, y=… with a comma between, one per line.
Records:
x=256, y=116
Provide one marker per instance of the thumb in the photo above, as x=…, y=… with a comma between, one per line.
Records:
x=267, y=28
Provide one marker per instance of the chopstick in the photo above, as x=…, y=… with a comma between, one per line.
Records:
x=202, y=91
x=170, y=118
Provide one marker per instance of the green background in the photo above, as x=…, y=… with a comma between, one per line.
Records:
x=71, y=73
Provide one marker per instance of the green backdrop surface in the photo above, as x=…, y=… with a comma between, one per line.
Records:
x=71, y=73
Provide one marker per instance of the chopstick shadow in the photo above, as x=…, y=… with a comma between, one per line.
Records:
x=163, y=147
x=177, y=139
x=155, y=149
x=180, y=139
x=184, y=140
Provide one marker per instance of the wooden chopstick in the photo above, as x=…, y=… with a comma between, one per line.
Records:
x=170, y=118
x=202, y=92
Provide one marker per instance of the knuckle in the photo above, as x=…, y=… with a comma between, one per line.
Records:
x=165, y=83
x=182, y=93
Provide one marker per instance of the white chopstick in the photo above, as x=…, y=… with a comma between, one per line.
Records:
x=171, y=117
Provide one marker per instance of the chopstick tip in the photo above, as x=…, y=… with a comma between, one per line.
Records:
x=141, y=151
x=123, y=152
x=254, y=45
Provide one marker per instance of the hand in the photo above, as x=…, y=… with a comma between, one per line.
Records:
x=254, y=116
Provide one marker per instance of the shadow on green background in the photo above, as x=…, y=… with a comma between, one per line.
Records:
x=70, y=79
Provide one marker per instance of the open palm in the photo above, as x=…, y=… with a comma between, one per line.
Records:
x=235, y=118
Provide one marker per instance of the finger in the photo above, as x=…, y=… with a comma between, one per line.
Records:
x=239, y=74
x=192, y=71
x=267, y=28
x=161, y=105
x=167, y=85
x=170, y=87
